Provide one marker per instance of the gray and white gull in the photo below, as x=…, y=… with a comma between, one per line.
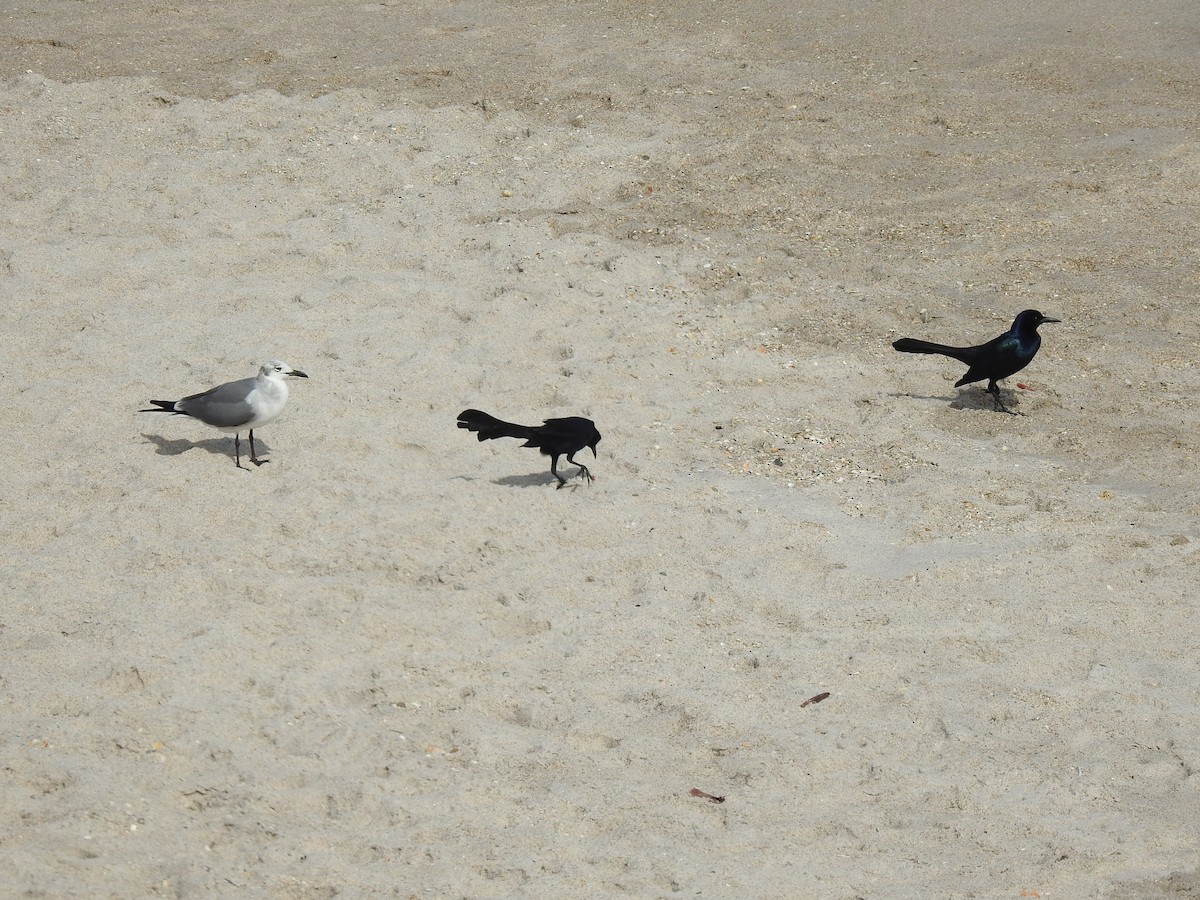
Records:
x=238, y=405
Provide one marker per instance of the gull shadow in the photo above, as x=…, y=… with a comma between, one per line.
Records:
x=217, y=446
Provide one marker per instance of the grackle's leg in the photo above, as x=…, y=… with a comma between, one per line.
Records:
x=994, y=390
x=562, y=482
x=583, y=470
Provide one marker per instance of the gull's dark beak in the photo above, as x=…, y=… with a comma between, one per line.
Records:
x=300, y=374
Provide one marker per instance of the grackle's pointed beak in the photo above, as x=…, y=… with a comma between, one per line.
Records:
x=595, y=455
x=1046, y=319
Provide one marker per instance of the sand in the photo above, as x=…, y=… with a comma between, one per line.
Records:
x=397, y=662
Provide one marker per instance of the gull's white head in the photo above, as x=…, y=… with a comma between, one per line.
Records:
x=277, y=368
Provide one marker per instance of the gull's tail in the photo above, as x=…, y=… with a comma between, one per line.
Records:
x=912, y=345
x=489, y=427
x=167, y=406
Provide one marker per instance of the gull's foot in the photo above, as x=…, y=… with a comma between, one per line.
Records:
x=260, y=462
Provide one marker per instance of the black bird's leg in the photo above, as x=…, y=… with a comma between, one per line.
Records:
x=253, y=455
x=583, y=470
x=994, y=390
x=562, y=482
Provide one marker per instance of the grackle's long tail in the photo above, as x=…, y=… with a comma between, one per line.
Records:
x=489, y=427
x=966, y=355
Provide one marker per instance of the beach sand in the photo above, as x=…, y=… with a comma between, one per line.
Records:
x=397, y=662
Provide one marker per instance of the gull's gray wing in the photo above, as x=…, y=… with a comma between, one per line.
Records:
x=225, y=406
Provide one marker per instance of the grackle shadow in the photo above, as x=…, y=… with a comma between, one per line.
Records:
x=975, y=398
x=536, y=479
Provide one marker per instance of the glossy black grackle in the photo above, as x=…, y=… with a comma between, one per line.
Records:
x=998, y=358
x=554, y=437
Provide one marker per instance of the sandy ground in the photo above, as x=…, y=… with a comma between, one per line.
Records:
x=396, y=662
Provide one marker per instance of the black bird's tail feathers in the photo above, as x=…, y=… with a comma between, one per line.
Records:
x=489, y=427
x=966, y=355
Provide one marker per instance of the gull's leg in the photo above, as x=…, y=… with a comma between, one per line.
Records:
x=254, y=456
x=237, y=451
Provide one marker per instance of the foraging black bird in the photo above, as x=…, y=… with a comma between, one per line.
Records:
x=554, y=437
x=998, y=358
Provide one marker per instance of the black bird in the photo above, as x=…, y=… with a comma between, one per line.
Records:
x=554, y=437
x=998, y=358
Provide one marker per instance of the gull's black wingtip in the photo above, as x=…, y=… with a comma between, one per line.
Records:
x=162, y=406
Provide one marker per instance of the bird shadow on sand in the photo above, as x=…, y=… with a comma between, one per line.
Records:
x=538, y=479
x=216, y=446
x=978, y=399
